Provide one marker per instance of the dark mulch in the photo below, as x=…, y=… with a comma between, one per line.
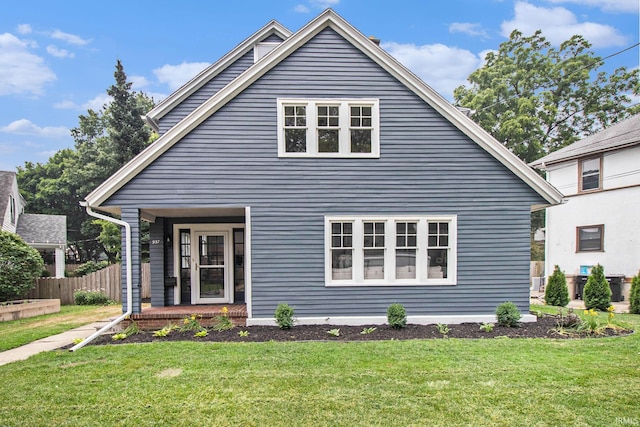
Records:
x=543, y=328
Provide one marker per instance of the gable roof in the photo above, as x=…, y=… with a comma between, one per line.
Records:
x=43, y=229
x=7, y=178
x=327, y=19
x=213, y=70
x=620, y=135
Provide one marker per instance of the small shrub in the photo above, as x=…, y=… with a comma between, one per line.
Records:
x=590, y=324
x=45, y=273
x=486, y=327
x=334, y=332
x=222, y=322
x=191, y=323
x=243, y=334
x=597, y=293
x=284, y=316
x=132, y=329
x=84, y=297
x=165, y=331
x=118, y=337
x=443, y=329
x=556, y=293
x=367, y=331
x=89, y=267
x=397, y=316
x=508, y=314
x=201, y=334
x=634, y=296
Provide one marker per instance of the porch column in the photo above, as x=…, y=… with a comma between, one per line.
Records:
x=156, y=258
x=59, y=260
x=131, y=216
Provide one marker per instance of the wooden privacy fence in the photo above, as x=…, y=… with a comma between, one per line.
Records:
x=108, y=281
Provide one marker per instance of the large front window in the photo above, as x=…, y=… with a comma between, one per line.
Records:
x=390, y=250
x=328, y=128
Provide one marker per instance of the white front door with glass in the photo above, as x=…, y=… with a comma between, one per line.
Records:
x=211, y=269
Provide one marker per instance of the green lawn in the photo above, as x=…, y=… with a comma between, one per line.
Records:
x=23, y=331
x=504, y=382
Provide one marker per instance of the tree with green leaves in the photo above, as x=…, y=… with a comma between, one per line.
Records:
x=104, y=141
x=597, y=293
x=20, y=266
x=535, y=98
x=634, y=296
x=556, y=292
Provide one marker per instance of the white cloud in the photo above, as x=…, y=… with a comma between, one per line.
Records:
x=177, y=75
x=69, y=38
x=442, y=67
x=20, y=70
x=624, y=6
x=559, y=24
x=25, y=127
x=323, y=4
x=468, y=28
x=65, y=105
x=96, y=103
x=59, y=53
x=24, y=29
x=300, y=8
x=138, y=82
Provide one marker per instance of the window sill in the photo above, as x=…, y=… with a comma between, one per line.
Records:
x=377, y=283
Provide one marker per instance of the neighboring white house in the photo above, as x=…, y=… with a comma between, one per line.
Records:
x=599, y=223
x=46, y=233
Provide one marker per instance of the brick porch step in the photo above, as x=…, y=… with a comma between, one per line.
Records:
x=158, y=317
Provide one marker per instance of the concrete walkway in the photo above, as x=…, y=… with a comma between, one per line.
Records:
x=50, y=343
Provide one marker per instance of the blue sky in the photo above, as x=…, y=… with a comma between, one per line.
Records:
x=57, y=58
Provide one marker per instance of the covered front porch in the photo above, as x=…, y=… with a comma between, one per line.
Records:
x=197, y=261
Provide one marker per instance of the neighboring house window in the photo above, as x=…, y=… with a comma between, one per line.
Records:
x=380, y=251
x=590, y=238
x=12, y=208
x=328, y=128
x=590, y=176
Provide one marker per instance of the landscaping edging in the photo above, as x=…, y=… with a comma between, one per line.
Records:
x=23, y=309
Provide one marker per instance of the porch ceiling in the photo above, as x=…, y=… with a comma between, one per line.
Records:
x=150, y=214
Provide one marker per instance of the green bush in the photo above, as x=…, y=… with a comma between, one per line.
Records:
x=284, y=316
x=556, y=292
x=20, y=266
x=89, y=267
x=634, y=296
x=597, y=293
x=508, y=314
x=84, y=297
x=397, y=316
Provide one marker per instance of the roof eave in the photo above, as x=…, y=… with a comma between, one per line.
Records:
x=186, y=90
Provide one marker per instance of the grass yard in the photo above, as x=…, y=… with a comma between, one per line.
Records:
x=502, y=382
x=23, y=331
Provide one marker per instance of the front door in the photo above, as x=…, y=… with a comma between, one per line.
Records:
x=212, y=268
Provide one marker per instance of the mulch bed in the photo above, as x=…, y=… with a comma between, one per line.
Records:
x=543, y=328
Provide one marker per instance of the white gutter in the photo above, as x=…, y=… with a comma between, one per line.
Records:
x=127, y=229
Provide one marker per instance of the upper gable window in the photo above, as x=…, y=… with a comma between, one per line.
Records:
x=12, y=208
x=328, y=128
x=590, y=176
x=261, y=49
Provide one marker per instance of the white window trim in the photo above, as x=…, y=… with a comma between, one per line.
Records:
x=390, y=251
x=344, y=135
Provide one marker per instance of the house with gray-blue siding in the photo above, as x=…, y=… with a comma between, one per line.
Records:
x=311, y=168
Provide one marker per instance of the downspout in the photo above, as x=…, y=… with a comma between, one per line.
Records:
x=127, y=229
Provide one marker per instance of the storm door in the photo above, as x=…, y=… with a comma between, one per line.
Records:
x=212, y=268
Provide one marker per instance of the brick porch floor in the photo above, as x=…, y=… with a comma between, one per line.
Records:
x=158, y=317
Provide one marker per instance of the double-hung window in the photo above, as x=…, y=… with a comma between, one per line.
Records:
x=590, y=176
x=590, y=238
x=388, y=250
x=328, y=128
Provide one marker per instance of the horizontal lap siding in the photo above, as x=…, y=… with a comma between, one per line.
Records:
x=205, y=92
x=426, y=167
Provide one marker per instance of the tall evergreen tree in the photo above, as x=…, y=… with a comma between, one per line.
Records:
x=104, y=141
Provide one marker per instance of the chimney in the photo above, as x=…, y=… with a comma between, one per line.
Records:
x=375, y=40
